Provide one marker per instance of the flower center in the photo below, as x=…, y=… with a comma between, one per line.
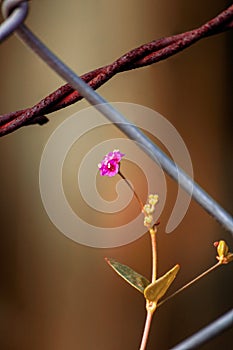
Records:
x=111, y=166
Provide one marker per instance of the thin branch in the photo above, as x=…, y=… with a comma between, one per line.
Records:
x=150, y=306
x=190, y=283
x=146, y=330
x=132, y=189
x=153, y=234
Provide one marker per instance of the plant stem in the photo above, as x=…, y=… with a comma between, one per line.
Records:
x=146, y=330
x=154, y=254
x=190, y=283
x=150, y=311
x=137, y=197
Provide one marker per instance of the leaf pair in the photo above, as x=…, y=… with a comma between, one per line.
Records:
x=152, y=291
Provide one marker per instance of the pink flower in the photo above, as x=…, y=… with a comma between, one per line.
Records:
x=110, y=164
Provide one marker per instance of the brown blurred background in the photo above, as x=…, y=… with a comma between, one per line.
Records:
x=57, y=294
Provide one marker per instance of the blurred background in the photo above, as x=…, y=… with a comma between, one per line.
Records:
x=57, y=294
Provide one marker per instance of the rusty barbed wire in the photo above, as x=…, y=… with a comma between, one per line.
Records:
x=142, y=56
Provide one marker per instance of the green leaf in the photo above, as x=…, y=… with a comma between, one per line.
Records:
x=155, y=291
x=132, y=277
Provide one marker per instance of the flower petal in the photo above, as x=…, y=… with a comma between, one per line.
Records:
x=110, y=164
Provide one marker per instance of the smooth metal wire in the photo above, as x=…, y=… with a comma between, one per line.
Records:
x=207, y=333
x=15, y=18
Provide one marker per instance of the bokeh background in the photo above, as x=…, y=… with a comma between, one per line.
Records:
x=57, y=294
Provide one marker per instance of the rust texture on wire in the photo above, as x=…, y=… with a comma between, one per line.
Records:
x=142, y=56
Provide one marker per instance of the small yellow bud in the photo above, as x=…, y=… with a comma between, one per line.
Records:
x=223, y=255
x=222, y=249
x=147, y=209
x=148, y=219
x=153, y=199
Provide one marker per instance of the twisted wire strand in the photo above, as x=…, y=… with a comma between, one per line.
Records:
x=142, y=56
